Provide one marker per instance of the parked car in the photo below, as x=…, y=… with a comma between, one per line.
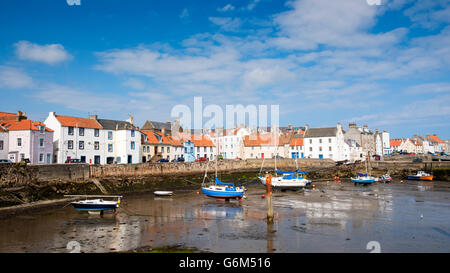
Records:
x=201, y=159
x=180, y=159
x=412, y=153
x=418, y=160
x=237, y=158
x=162, y=160
x=220, y=157
x=5, y=161
x=279, y=156
x=73, y=160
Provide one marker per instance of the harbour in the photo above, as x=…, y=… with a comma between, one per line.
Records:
x=402, y=216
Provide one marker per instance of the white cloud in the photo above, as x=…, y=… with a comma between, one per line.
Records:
x=227, y=7
x=135, y=84
x=14, y=78
x=227, y=23
x=50, y=54
x=252, y=4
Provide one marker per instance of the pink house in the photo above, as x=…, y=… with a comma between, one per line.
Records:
x=27, y=139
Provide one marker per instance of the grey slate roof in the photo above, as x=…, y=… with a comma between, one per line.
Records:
x=157, y=125
x=116, y=125
x=321, y=132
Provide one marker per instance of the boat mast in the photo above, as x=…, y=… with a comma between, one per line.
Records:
x=206, y=173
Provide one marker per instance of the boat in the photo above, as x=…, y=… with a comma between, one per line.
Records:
x=222, y=190
x=96, y=205
x=163, y=193
x=363, y=179
x=287, y=180
x=421, y=175
x=384, y=178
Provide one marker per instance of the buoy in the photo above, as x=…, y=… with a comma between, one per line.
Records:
x=198, y=192
x=314, y=187
x=263, y=196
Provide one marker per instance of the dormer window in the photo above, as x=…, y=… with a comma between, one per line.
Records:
x=41, y=129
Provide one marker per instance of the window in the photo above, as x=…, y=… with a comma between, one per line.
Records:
x=1, y=144
x=110, y=135
x=310, y=141
x=162, y=149
x=22, y=157
x=41, y=129
x=329, y=140
x=70, y=131
x=81, y=131
x=96, y=145
x=198, y=149
x=310, y=149
x=320, y=149
x=329, y=149
x=132, y=133
x=185, y=150
x=41, y=157
x=110, y=148
x=19, y=142
x=41, y=142
x=132, y=145
x=96, y=132
x=320, y=140
x=81, y=145
x=70, y=144
x=168, y=149
x=192, y=149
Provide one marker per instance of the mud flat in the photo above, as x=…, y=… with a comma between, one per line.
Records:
x=408, y=216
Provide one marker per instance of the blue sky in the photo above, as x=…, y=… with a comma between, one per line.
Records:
x=322, y=61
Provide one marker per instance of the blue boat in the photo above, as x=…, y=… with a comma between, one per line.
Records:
x=223, y=190
x=363, y=178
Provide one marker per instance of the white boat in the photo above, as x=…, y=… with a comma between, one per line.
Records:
x=384, y=178
x=163, y=193
x=287, y=180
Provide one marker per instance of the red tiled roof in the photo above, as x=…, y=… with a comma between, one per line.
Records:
x=202, y=141
x=395, y=142
x=25, y=124
x=151, y=138
x=436, y=139
x=78, y=122
x=264, y=140
x=297, y=142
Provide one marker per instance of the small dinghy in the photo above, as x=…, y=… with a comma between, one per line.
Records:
x=384, y=178
x=163, y=193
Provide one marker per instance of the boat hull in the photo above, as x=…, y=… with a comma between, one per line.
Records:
x=95, y=207
x=287, y=184
x=223, y=194
x=359, y=181
x=425, y=178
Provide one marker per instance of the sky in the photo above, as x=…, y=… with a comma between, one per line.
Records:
x=321, y=61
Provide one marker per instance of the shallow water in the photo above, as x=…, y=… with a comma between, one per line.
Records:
x=335, y=217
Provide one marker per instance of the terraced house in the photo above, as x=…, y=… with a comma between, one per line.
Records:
x=21, y=138
x=93, y=140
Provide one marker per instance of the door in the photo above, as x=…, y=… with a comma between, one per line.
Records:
x=83, y=159
x=96, y=159
x=320, y=156
x=130, y=159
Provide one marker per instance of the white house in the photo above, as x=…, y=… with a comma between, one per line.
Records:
x=204, y=147
x=26, y=139
x=230, y=142
x=4, y=136
x=122, y=139
x=385, y=139
x=325, y=143
x=91, y=142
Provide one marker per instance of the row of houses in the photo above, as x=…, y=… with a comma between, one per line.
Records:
x=429, y=144
x=61, y=139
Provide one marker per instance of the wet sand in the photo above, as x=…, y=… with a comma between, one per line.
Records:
x=412, y=216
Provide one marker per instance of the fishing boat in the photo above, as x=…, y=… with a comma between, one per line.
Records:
x=384, y=178
x=96, y=205
x=221, y=190
x=421, y=175
x=363, y=178
x=287, y=180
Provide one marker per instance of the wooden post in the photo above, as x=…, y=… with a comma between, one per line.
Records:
x=269, y=198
